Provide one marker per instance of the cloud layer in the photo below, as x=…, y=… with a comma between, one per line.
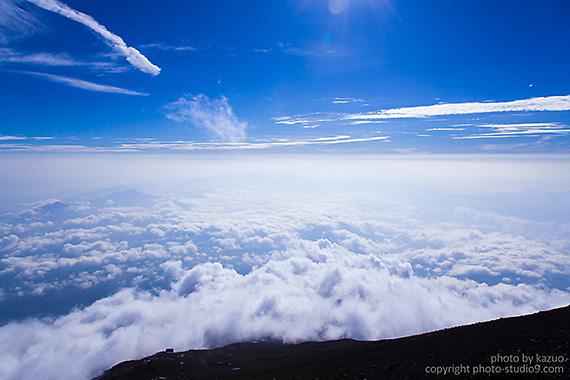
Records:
x=118, y=274
x=133, y=56
x=321, y=293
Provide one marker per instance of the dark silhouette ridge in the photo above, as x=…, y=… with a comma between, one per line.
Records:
x=545, y=333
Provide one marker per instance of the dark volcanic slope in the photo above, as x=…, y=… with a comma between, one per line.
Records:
x=546, y=333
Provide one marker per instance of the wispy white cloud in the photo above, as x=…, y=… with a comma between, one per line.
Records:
x=521, y=126
x=213, y=115
x=47, y=59
x=189, y=146
x=445, y=129
x=548, y=103
x=18, y=138
x=83, y=84
x=167, y=47
x=11, y=138
x=61, y=148
x=11, y=56
x=501, y=131
x=303, y=119
x=133, y=56
x=15, y=21
x=142, y=145
x=287, y=121
x=310, y=51
x=360, y=122
x=345, y=100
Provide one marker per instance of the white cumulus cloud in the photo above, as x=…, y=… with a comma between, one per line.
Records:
x=215, y=116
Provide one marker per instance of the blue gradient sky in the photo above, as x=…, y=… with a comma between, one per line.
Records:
x=290, y=72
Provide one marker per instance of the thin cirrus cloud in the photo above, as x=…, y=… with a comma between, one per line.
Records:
x=547, y=103
x=59, y=148
x=19, y=138
x=281, y=143
x=133, y=56
x=45, y=59
x=501, y=131
x=344, y=100
x=443, y=129
x=141, y=145
x=160, y=46
x=15, y=22
x=11, y=138
x=11, y=56
x=83, y=84
x=302, y=119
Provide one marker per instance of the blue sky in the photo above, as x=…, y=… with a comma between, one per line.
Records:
x=306, y=75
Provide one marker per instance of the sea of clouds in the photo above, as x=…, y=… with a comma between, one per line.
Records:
x=291, y=251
